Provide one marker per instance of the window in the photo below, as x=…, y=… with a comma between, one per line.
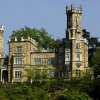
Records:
x=52, y=60
x=33, y=61
x=78, y=56
x=72, y=35
x=49, y=61
x=38, y=60
x=17, y=74
x=78, y=50
x=18, y=60
x=68, y=57
x=67, y=50
x=78, y=45
x=19, y=50
x=78, y=73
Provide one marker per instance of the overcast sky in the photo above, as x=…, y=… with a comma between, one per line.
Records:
x=49, y=14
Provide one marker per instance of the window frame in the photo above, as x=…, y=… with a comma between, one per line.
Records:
x=17, y=74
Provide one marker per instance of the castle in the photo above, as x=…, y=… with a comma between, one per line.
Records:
x=69, y=60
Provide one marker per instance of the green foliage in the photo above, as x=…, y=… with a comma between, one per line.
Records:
x=96, y=57
x=96, y=62
x=73, y=95
x=97, y=71
x=53, y=89
x=3, y=95
x=40, y=35
x=41, y=73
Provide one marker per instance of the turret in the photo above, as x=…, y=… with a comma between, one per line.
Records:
x=73, y=21
x=1, y=40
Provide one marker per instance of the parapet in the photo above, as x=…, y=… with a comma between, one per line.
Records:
x=29, y=39
x=73, y=9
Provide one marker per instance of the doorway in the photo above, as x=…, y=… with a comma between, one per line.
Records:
x=4, y=76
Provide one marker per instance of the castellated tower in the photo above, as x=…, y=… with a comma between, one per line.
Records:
x=1, y=40
x=79, y=45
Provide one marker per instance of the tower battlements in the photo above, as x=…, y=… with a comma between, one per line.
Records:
x=73, y=9
x=28, y=39
x=79, y=45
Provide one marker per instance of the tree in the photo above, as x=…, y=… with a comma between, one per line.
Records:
x=44, y=39
x=71, y=94
x=40, y=73
x=96, y=69
x=86, y=34
x=96, y=57
x=29, y=74
x=96, y=62
x=3, y=94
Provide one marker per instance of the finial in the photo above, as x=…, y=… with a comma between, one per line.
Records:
x=15, y=39
x=81, y=7
x=71, y=6
x=22, y=39
x=1, y=27
x=66, y=7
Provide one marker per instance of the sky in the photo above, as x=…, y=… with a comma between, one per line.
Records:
x=48, y=14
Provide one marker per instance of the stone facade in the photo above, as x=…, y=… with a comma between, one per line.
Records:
x=3, y=63
x=23, y=55
x=70, y=58
x=1, y=41
x=78, y=45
